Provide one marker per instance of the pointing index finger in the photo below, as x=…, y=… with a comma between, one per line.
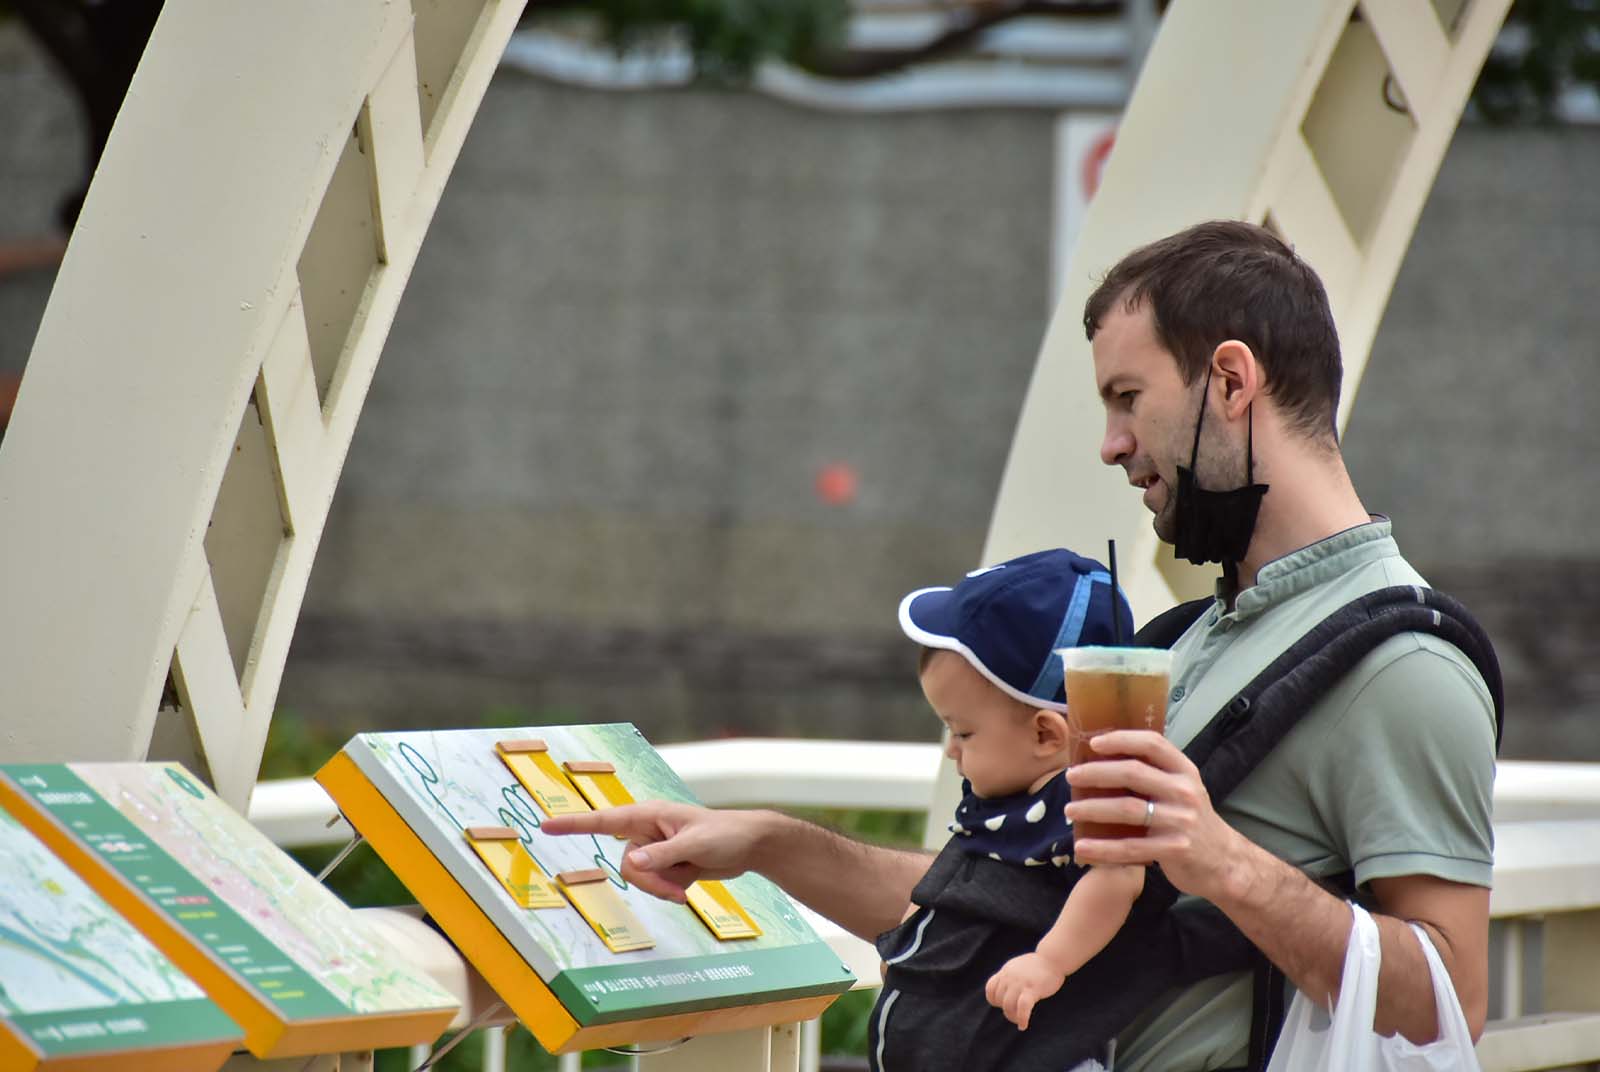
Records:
x=629, y=820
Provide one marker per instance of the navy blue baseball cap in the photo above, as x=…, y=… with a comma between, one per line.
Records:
x=1007, y=620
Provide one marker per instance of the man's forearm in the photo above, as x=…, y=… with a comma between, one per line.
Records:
x=1304, y=930
x=863, y=888
x=1301, y=928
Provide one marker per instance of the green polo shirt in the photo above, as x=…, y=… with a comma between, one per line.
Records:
x=1389, y=774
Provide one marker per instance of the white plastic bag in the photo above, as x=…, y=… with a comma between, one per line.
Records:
x=1311, y=1041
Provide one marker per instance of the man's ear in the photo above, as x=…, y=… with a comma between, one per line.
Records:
x=1237, y=374
x=1049, y=730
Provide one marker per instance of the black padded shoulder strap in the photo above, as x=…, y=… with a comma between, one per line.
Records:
x=1253, y=723
x=1164, y=629
x=1264, y=711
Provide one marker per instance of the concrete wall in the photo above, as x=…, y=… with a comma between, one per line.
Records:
x=640, y=328
x=1476, y=430
x=584, y=484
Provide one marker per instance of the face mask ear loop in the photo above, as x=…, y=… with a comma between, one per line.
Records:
x=1250, y=444
x=1194, y=453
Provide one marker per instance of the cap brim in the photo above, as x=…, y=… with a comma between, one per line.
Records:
x=926, y=617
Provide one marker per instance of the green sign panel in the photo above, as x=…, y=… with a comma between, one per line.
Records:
x=78, y=979
x=183, y=898
x=613, y=992
x=443, y=783
x=225, y=885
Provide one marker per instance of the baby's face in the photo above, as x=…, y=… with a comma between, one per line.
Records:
x=991, y=735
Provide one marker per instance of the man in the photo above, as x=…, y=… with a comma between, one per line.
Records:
x=1217, y=360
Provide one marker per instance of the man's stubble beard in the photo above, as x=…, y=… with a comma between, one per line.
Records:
x=1165, y=521
x=1215, y=457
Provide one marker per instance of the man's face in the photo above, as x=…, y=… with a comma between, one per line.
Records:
x=1150, y=416
x=991, y=735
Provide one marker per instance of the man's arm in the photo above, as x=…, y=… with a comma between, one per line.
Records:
x=863, y=888
x=1301, y=927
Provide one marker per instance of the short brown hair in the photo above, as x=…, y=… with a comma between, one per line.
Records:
x=1231, y=280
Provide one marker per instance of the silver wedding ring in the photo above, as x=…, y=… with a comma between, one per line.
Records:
x=1149, y=812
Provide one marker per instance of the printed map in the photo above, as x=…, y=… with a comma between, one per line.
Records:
x=62, y=947
x=241, y=868
x=443, y=782
x=456, y=780
x=77, y=981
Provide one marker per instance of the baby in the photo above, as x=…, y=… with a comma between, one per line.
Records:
x=990, y=673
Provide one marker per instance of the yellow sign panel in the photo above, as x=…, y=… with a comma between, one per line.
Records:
x=599, y=902
x=719, y=910
x=599, y=784
x=530, y=761
x=501, y=849
x=412, y=795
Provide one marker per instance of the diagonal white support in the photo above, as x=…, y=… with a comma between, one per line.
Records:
x=302, y=183
x=1412, y=40
x=391, y=127
x=210, y=692
x=1303, y=206
x=292, y=417
x=1234, y=98
x=1215, y=130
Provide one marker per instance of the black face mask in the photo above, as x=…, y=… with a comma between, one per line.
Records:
x=1216, y=526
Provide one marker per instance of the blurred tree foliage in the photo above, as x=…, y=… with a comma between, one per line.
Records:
x=1549, y=44
x=728, y=38
x=1546, y=46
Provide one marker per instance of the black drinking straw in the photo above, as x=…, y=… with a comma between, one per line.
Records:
x=1116, y=614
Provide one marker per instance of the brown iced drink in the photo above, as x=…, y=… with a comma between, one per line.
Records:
x=1112, y=689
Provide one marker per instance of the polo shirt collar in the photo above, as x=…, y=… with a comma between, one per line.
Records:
x=1298, y=571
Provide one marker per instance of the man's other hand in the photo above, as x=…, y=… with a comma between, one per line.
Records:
x=671, y=845
x=1196, y=848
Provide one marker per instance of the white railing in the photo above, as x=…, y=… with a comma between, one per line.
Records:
x=1545, y=907
x=295, y=812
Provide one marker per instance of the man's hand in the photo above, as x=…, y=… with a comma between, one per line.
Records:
x=1299, y=926
x=671, y=845
x=863, y=888
x=1199, y=852
x=1020, y=984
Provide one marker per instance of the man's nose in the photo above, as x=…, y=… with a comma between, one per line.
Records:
x=1116, y=444
x=951, y=749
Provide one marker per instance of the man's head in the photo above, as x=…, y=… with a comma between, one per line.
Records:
x=992, y=638
x=1227, y=280
x=1201, y=326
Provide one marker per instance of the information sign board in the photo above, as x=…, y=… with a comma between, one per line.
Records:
x=81, y=988
x=283, y=956
x=612, y=964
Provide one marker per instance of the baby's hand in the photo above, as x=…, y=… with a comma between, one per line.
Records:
x=1020, y=984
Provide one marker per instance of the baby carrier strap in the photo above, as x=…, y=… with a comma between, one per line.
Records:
x=1165, y=628
x=975, y=914
x=1262, y=713
x=1028, y=898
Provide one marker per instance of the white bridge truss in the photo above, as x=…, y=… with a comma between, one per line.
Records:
x=224, y=300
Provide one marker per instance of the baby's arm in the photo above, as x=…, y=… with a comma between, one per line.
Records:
x=1095, y=910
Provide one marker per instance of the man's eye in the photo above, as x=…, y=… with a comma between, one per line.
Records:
x=961, y=736
x=1126, y=397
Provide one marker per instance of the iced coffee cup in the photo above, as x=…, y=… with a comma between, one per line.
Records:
x=1112, y=689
